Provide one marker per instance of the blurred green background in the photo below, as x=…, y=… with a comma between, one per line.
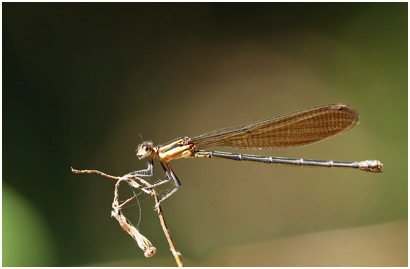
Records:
x=83, y=81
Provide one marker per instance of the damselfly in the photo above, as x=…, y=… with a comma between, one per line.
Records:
x=291, y=130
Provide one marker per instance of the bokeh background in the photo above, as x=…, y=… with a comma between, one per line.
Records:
x=83, y=81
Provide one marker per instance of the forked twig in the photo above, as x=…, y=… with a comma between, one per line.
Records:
x=126, y=225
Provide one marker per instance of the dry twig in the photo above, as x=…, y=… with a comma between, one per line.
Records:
x=126, y=225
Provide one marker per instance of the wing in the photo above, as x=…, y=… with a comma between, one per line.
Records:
x=290, y=130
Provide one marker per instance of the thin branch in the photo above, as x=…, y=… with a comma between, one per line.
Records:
x=175, y=252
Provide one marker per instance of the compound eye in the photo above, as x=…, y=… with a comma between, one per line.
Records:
x=146, y=148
